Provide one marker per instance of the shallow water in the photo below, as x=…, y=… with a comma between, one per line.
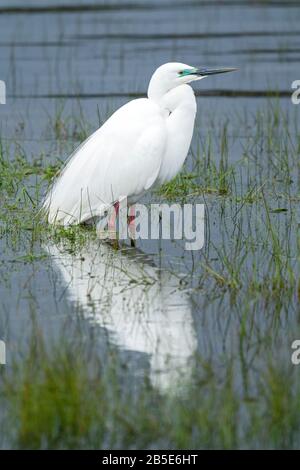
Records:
x=161, y=311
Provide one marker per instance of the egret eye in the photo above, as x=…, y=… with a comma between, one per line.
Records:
x=180, y=73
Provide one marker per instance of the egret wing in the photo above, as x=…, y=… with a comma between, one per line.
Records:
x=122, y=158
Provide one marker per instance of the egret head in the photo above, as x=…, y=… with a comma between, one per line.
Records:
x=173, y=74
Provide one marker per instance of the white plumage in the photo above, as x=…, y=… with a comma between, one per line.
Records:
x=142, y=144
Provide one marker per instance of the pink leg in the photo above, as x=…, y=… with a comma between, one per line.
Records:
x=131, y=222
x=112, y=219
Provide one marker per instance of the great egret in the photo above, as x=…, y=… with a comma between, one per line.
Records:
x=144, y=143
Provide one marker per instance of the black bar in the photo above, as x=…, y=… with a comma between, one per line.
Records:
x=138, y=458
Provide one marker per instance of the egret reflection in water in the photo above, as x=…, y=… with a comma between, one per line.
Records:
x=142, y=308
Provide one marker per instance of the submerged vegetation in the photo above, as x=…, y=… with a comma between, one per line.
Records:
x=243, y=288
x=63, y=400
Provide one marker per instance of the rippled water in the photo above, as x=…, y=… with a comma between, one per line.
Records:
x=100, y=54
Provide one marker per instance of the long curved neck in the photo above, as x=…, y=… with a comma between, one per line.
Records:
x=181, y=96
x=157, y=88
x=179, y=107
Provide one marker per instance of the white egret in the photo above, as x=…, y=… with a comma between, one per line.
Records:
x=144, y=143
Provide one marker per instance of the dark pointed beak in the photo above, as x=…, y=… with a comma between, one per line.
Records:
x=203, y=72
